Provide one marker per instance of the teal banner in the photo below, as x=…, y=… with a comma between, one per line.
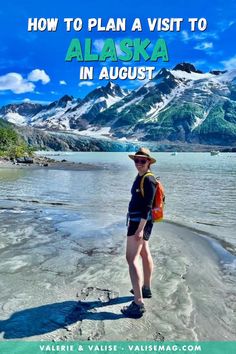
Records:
x=12, y=347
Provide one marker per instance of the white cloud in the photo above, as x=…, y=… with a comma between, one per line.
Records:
x=204, y=46
x=118, y=50
x=27, y=100
x=15, y=83
x=230, y=63
x=205, y=35
x=42, y=102
x=185, y=36
x=85, y=83
x=62, y=82
x=99, y=43
x=37, y=75
x=224, y=25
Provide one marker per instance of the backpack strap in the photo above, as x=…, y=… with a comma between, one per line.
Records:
x=142, y=182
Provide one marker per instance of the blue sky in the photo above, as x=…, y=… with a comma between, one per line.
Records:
x=33, y=67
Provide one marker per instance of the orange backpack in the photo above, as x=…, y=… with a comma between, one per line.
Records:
x=159, y=199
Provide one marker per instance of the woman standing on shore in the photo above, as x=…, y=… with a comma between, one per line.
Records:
x=139, y=231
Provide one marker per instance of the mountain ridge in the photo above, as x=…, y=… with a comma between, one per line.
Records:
x=182, y=104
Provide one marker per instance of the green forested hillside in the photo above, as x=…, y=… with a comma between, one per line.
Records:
x=11, y=144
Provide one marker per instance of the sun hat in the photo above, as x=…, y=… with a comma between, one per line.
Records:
x=143, y=152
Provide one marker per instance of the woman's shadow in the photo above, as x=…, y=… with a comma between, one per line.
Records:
x=48, y=318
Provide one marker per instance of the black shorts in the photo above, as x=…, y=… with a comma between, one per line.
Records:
x=133, y=225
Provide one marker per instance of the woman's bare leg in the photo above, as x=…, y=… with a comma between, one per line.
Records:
x=133, y=250
x=147, y=264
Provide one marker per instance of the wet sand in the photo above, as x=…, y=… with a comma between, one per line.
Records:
x=56, y=286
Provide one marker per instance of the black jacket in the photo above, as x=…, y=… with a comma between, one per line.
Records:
x=141, y=206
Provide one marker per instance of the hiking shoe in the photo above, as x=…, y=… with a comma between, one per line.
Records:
x=133, y=310
x=146, y=293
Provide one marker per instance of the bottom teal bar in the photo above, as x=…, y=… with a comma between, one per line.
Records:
x=41, y=347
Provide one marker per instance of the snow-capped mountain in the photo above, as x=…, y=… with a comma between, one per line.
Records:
x=76, y=114
x=183, y=104
x=66, y=113
x=95, y=102
x=53, y=115
x=20, y=114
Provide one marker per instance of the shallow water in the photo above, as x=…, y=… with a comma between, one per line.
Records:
x=200, y=193
x=200, y=190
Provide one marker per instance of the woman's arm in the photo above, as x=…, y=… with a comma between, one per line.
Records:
x=149, y=194
x=149, y=187
x=139, y=232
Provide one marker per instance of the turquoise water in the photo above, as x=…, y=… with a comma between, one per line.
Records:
x=200, y=192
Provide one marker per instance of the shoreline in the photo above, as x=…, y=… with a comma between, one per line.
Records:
x=223, y=248
x=44, y=162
